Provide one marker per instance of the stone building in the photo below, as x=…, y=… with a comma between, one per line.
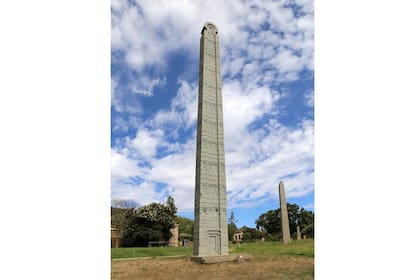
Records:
x=173, y=241
x=237, y=236
x=116, y=238
x=252, y=234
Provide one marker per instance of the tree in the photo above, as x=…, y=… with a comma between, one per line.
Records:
x=186, y=228
x=307, y=223
x=270, y=222
x=232, y=228
x=170, y=202
x=251, y=234
x=232, y=219
x=149, y=223
x=120, y=217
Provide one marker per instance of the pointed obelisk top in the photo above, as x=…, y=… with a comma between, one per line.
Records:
x=285, y=231
x=210, y=27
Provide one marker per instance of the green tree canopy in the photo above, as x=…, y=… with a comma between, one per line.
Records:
x=270, y=222
x=151, y=222
x=120, y=217
x=186, y=227
x=232, y=226
x=170, y=202
x=251, y=234
x=121, y=210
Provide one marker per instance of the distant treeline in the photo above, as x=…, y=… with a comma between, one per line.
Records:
x=153, y=222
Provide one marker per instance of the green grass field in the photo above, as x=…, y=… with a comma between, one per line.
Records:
x=121, y=253
x=258, y=249
x=296, y=248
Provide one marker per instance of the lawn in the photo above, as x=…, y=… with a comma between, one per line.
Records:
x=138, y=252
x=300, y=248
x=296, y=248
x=271, y=260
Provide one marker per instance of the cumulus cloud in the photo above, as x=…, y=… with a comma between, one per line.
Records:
x=122, y=167
x=142, y=193
x=256, y=158
x=146, y=142
x=309, y=98
x=139, y=28
x=183, y=110
x=280, y=154
x=146, y=85
x=243, y=105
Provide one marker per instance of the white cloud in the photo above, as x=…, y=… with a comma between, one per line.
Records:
x=256, y=161
x=119, y=124
x=122, y=100
x=307, y=6
x=140, y=30
x=287, y=64
x=143, y=193
x=122, y=167
x=281, y=18
x=256, y=158
x=243, y=105
x=233, y=66
x=114, y=85
x=270, y=158
x=146, y=142
x=146, y=85
x=256, y=18
x=183, y=110
x=177, y=170
x=186, y=101
x=309, y=98
x=284, y=151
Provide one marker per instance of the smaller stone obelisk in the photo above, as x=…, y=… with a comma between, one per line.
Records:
x=298, y=233
x=285, y=231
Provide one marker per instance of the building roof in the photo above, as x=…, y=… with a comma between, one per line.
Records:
x=242, y=229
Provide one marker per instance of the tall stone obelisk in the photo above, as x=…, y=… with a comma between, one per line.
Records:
x=210, y=221
x=285, y=231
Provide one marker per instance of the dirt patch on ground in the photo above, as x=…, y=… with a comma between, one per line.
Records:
x=281, y=267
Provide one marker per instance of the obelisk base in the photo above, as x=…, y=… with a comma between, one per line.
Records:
x=221, y=258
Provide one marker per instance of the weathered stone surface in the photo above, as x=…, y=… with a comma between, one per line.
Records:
x=298, y=233
x=173, y=241
x=210, y=220
x=284, y=218
x=116, y=238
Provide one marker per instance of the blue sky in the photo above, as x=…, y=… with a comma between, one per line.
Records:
x=267, y=57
